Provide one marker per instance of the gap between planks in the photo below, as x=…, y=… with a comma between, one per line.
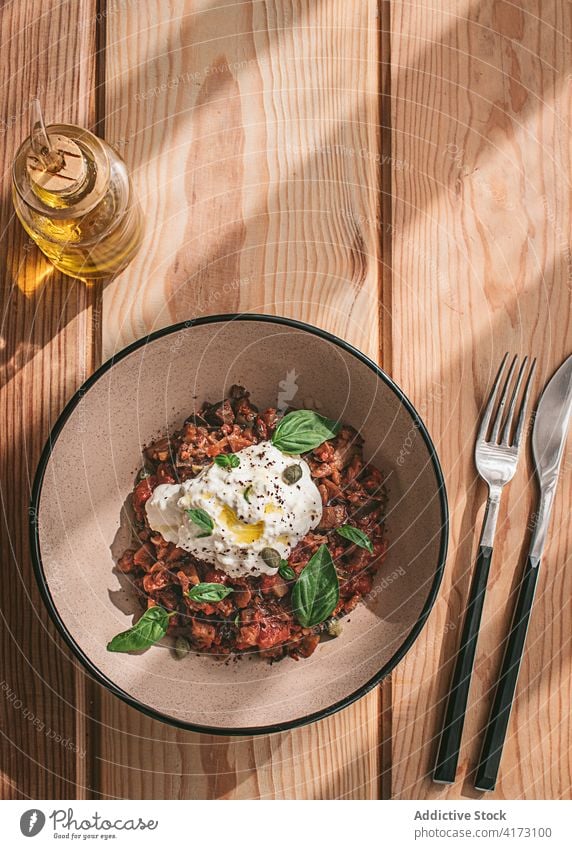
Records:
x=385, y=329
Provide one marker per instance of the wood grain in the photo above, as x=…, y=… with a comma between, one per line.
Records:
x=481, y=265
x=46, y=350
x=252, y=133
x=337, y=758
x=259, y=121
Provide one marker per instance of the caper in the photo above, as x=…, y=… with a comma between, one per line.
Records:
x=182, y=648
x=143, y=473
x=291, y=474
x=334, y=627
x=271, y=557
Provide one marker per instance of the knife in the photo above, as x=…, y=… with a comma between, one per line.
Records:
x=548, y=441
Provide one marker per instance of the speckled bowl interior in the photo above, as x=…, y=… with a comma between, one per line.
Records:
x=87, y=472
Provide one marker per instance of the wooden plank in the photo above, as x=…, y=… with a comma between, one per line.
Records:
x=252, y=133
x=385, y=228
x=333, y=759
x=46, y=350
x=481, y=265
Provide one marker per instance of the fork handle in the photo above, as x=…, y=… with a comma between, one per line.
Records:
x=493, y=742
x=450, y=742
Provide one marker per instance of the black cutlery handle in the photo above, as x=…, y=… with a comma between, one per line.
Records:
x=495, y=733
x=450, y=742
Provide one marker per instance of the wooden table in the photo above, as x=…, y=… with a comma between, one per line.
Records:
x=396, y=172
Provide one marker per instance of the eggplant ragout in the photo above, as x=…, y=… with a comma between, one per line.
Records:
x=291, y=602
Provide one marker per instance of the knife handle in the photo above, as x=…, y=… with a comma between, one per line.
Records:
x=450, y=742
x=495, y=733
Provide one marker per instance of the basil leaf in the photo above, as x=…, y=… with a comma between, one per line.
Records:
x=146, y=631
x=205, y=593
x=202, y=520
x=247, y=492
x=302, y=430
x=285, y=571
x=355, y=535
x=227, y=461
x=316, y=592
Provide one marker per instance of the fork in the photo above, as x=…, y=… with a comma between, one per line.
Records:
x=496, y=463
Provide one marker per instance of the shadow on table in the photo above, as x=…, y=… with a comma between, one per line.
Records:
x=39, y=303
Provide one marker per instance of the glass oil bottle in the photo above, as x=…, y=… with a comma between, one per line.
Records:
x=73, y=195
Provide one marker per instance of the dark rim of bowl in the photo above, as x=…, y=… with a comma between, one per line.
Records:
x=43, y=584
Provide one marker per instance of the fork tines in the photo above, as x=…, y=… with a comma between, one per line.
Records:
x=505, y=435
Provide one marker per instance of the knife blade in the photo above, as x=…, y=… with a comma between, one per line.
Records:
x=548, y=441
x=549, y=436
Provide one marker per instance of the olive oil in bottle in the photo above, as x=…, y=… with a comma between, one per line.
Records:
x=73, y=195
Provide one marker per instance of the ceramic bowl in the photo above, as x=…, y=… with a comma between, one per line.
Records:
x=87, y=471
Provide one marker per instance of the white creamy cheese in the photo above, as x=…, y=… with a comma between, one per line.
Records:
x=252, y=507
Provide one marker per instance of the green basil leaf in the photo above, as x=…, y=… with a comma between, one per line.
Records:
x=316, y=592
x=302, y=430
x=227, y=461
x=146, y=631
x=209, y=593
x=247, y=492
x=285, y=571
x=202, y=520
x=355, y=535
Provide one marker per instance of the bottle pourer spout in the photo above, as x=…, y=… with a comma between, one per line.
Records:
x=51, y=159
x=55, y=163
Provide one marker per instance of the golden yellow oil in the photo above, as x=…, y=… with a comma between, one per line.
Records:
x=242, y=531
x=83, y=247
